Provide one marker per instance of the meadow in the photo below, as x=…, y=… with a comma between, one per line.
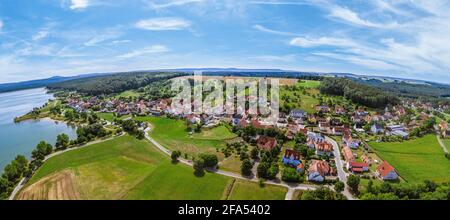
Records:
x=134, y=170
x=174, y=135
x=245, y=190
x=301, y=96
x=416, y=160
x=130, y=169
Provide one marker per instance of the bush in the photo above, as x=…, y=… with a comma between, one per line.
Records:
x=175, y=155
x=339, y=186
x=246, y=167
x=290, y=175
x=210, y=160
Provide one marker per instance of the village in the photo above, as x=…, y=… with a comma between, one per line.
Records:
x=334, y=134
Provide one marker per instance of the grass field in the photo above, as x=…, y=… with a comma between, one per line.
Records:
x=173, y=134
x=107, y=116
x=311, y=84
x=128, y=94
x=297, y=99
x=135, y=170
x=244, y=190
x=416, y=160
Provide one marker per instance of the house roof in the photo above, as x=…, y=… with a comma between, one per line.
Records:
x=293, y=153
x=324, y=146
x=348, y=154
x=358, y=164
x=266, y=143
x=384, y=169
x=319, y=166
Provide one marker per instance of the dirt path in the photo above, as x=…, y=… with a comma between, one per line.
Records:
x=442, y=144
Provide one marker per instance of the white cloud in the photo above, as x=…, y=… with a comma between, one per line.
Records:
x=161, y=24
x=352, y=17
x=171, y=3
x=40, y=35
x=98, y=38
x=79, y=4
x=121, y=41
x=1, y=25
x=267, y=30
x=322, y=41
x=148, y=50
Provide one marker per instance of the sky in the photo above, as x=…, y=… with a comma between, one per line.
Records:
x=398, y=38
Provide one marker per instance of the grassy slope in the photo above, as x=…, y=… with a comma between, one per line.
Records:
x=311, y=84
x=172, y=134
x=128, y=94
x=107, y=116
x=416, y=160
x=243, y=190
x=300, y=100
x=136, y=170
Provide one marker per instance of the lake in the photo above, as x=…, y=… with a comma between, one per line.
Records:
x=23, y=137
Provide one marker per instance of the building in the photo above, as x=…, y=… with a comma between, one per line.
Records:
x=317, y=171
x=338, y=130
x=398, y=130
x=322, y=108
x=376, y=129
x=266, y=143
x=324, y=148
x=358, y=167
x=348, y=154
x=386, y=172
x=298, y=113
x=292, y=158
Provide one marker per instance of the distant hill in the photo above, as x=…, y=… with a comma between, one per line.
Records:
x=9, y=87
x=403, y=87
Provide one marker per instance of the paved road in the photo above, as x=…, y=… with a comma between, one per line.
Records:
x=340, y=167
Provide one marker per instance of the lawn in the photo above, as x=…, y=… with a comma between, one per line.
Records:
x=128, y=94
x=416, y=160
x=298, y=99
x=134, y=170
x=173, y=134
x=310, y=84
x=107, y=116
x=245, y=190
x=218, y=133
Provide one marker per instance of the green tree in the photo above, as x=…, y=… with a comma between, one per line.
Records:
x=262, y=169
x=199, y=165
x=353, y=183
x=272, y=171
x=339, y=186
x=62, y=141
x=175, y=155
x=290, y=175
x=246, y=167
x=254, y=153
x=210, y=160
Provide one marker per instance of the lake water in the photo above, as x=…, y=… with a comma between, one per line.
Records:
x=23, y=137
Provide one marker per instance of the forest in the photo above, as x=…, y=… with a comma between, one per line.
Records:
x=358, y=93
x=116, y=83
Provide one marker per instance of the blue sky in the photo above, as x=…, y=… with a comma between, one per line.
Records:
x=401, y=38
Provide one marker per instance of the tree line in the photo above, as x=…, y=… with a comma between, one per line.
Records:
x=114, y=83
x=358, y=93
